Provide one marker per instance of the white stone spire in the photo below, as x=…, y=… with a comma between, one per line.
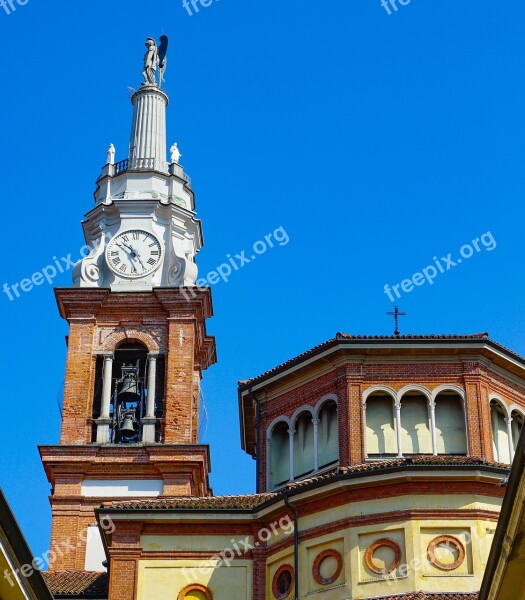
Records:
x=143, y=230
x=147, y=148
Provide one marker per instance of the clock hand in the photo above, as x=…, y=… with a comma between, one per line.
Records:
x=135, y=254
x=130, y=257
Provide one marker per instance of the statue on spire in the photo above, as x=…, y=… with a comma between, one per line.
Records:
x=155, y=57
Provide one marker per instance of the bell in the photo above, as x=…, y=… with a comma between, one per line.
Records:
x=127, y=429
x=129, y=391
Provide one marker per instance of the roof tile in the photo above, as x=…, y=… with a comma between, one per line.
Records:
x=80, y=584
x=386, y=338
x=430, y=596
x=253, y=501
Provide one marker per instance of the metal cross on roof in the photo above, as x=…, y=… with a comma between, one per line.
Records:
x=396, y=314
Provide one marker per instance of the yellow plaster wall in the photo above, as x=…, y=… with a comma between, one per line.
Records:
x=415, y=572
x=164, y=579
x=396, y=504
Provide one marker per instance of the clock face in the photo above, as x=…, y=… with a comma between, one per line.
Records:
x=134, y=254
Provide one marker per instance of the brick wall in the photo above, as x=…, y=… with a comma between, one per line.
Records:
x=164, y=321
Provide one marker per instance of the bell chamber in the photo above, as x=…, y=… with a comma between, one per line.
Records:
x=121, y=395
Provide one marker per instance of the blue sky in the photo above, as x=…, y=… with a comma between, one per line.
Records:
x=377, y=142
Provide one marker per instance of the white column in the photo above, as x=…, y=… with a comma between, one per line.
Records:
x=365, y=440
x=508, y=421
x=495, y=438
x=104, y=421
x=291, y=433
x=106, y=386
x=269, y=482
x=149, y=421
x=152, y=380
x=432, y=408
x=398, y=429
x=147, y=149
x=316, y=444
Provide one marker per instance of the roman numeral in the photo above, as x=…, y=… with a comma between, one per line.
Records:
x=151, y=261
x=135, y=235
x=123, y=268
x=154, y=253
x=152, y=244
x=125, y=238
x=114, y=253
x=116, y=260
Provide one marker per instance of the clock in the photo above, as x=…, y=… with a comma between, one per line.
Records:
x=134, y=254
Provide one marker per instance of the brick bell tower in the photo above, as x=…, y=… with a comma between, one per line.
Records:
x=137, y=343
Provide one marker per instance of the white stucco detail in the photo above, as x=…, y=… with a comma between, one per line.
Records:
x=146, y=193
x=95, y=554
x=96, y=488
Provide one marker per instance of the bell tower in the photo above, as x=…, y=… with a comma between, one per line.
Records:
x=137, y=342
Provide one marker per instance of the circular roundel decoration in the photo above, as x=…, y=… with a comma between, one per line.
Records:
x=283, y=581
x=446, y=552
x=195, y=592
x=395, y=552
x=327, y=567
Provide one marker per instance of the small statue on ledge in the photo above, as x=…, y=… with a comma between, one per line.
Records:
x=175, y=154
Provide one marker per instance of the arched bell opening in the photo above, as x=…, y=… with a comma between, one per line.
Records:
x=128, y=400
x=128, y=403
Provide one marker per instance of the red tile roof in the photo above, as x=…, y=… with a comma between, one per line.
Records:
x=481, y=337
x=77, y=584
x=253, y=501
x=430, y=596
x=244, y=502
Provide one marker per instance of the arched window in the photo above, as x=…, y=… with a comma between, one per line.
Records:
x=500, y=435
x=195, y=592
x=381, y=440
x=517, y=426
x=303, y=444
x=328, y=435
x=451, y=429
x=279, y=455
x=415, y=424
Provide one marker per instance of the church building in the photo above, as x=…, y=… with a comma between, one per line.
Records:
x=379, y=460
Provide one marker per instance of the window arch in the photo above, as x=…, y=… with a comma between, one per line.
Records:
x=381, y=425
x=416, y=435
x=327, y=435
x=279, y=455
x=451, y=426
x=500, y=432
x=195, y=592
x=303, y=445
